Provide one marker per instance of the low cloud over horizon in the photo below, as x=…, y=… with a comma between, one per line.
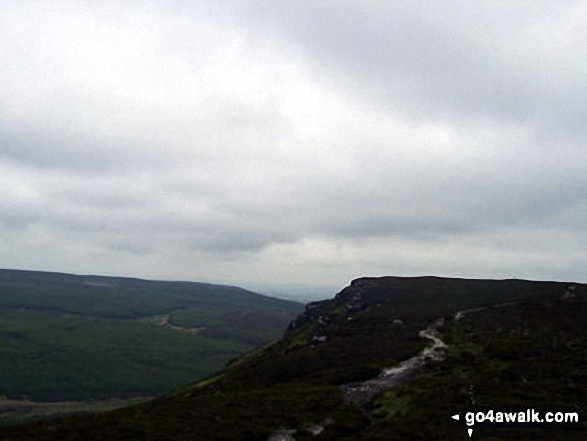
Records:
x=305, y=142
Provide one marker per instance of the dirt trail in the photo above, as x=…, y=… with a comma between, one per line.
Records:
x=165, y=321
x=14, y=411
x=365, y=391
x=460, y=314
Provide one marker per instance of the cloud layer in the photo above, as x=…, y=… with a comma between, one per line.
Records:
x=294, y=142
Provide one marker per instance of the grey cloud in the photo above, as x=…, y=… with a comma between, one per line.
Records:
x=508, y=62
x=215, y=133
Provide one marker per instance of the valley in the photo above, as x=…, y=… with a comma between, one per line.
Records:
x=82, y=343
x=427, y=348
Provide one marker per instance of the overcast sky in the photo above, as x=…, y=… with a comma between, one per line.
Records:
x=308, y=142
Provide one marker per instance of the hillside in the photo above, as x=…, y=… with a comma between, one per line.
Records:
x=510, y=344
x=69, y=337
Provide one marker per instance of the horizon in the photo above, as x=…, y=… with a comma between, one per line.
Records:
x=296, y=292
x=304, y=143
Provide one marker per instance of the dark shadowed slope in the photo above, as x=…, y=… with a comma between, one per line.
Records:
x=530, y=353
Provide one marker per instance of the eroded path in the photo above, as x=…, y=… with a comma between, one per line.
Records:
x=365, y=391
x=165, y=322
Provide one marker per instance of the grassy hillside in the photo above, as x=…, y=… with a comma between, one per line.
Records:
x=67, y=337
x=117, y=297
x=528, y=353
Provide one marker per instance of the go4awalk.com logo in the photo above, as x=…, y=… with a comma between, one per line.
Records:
x=555, y=417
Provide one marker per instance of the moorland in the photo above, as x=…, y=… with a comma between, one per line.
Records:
x=509, y=343
x=70, y=342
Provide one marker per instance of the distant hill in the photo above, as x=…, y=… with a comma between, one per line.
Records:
x=334, y=374
x=75, y=337
x=119, y=297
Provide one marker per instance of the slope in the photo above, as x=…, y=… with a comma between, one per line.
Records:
x=510, y=343
x=71, y=337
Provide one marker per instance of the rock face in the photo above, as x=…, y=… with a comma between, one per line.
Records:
x=341, y=370
x=288, y=435
x=570, y=292
x=350, y=298
x=322, y=320
x=283, y=435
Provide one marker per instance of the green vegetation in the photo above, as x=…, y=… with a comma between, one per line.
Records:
x=66, y=337
x=17, y=411
x=527, y=355
x=118, y=297
x=390, y=404
x=239, y=323
x=56, y=358
x=531, y=353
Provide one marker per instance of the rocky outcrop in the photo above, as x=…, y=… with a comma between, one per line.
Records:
x=351, y=298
